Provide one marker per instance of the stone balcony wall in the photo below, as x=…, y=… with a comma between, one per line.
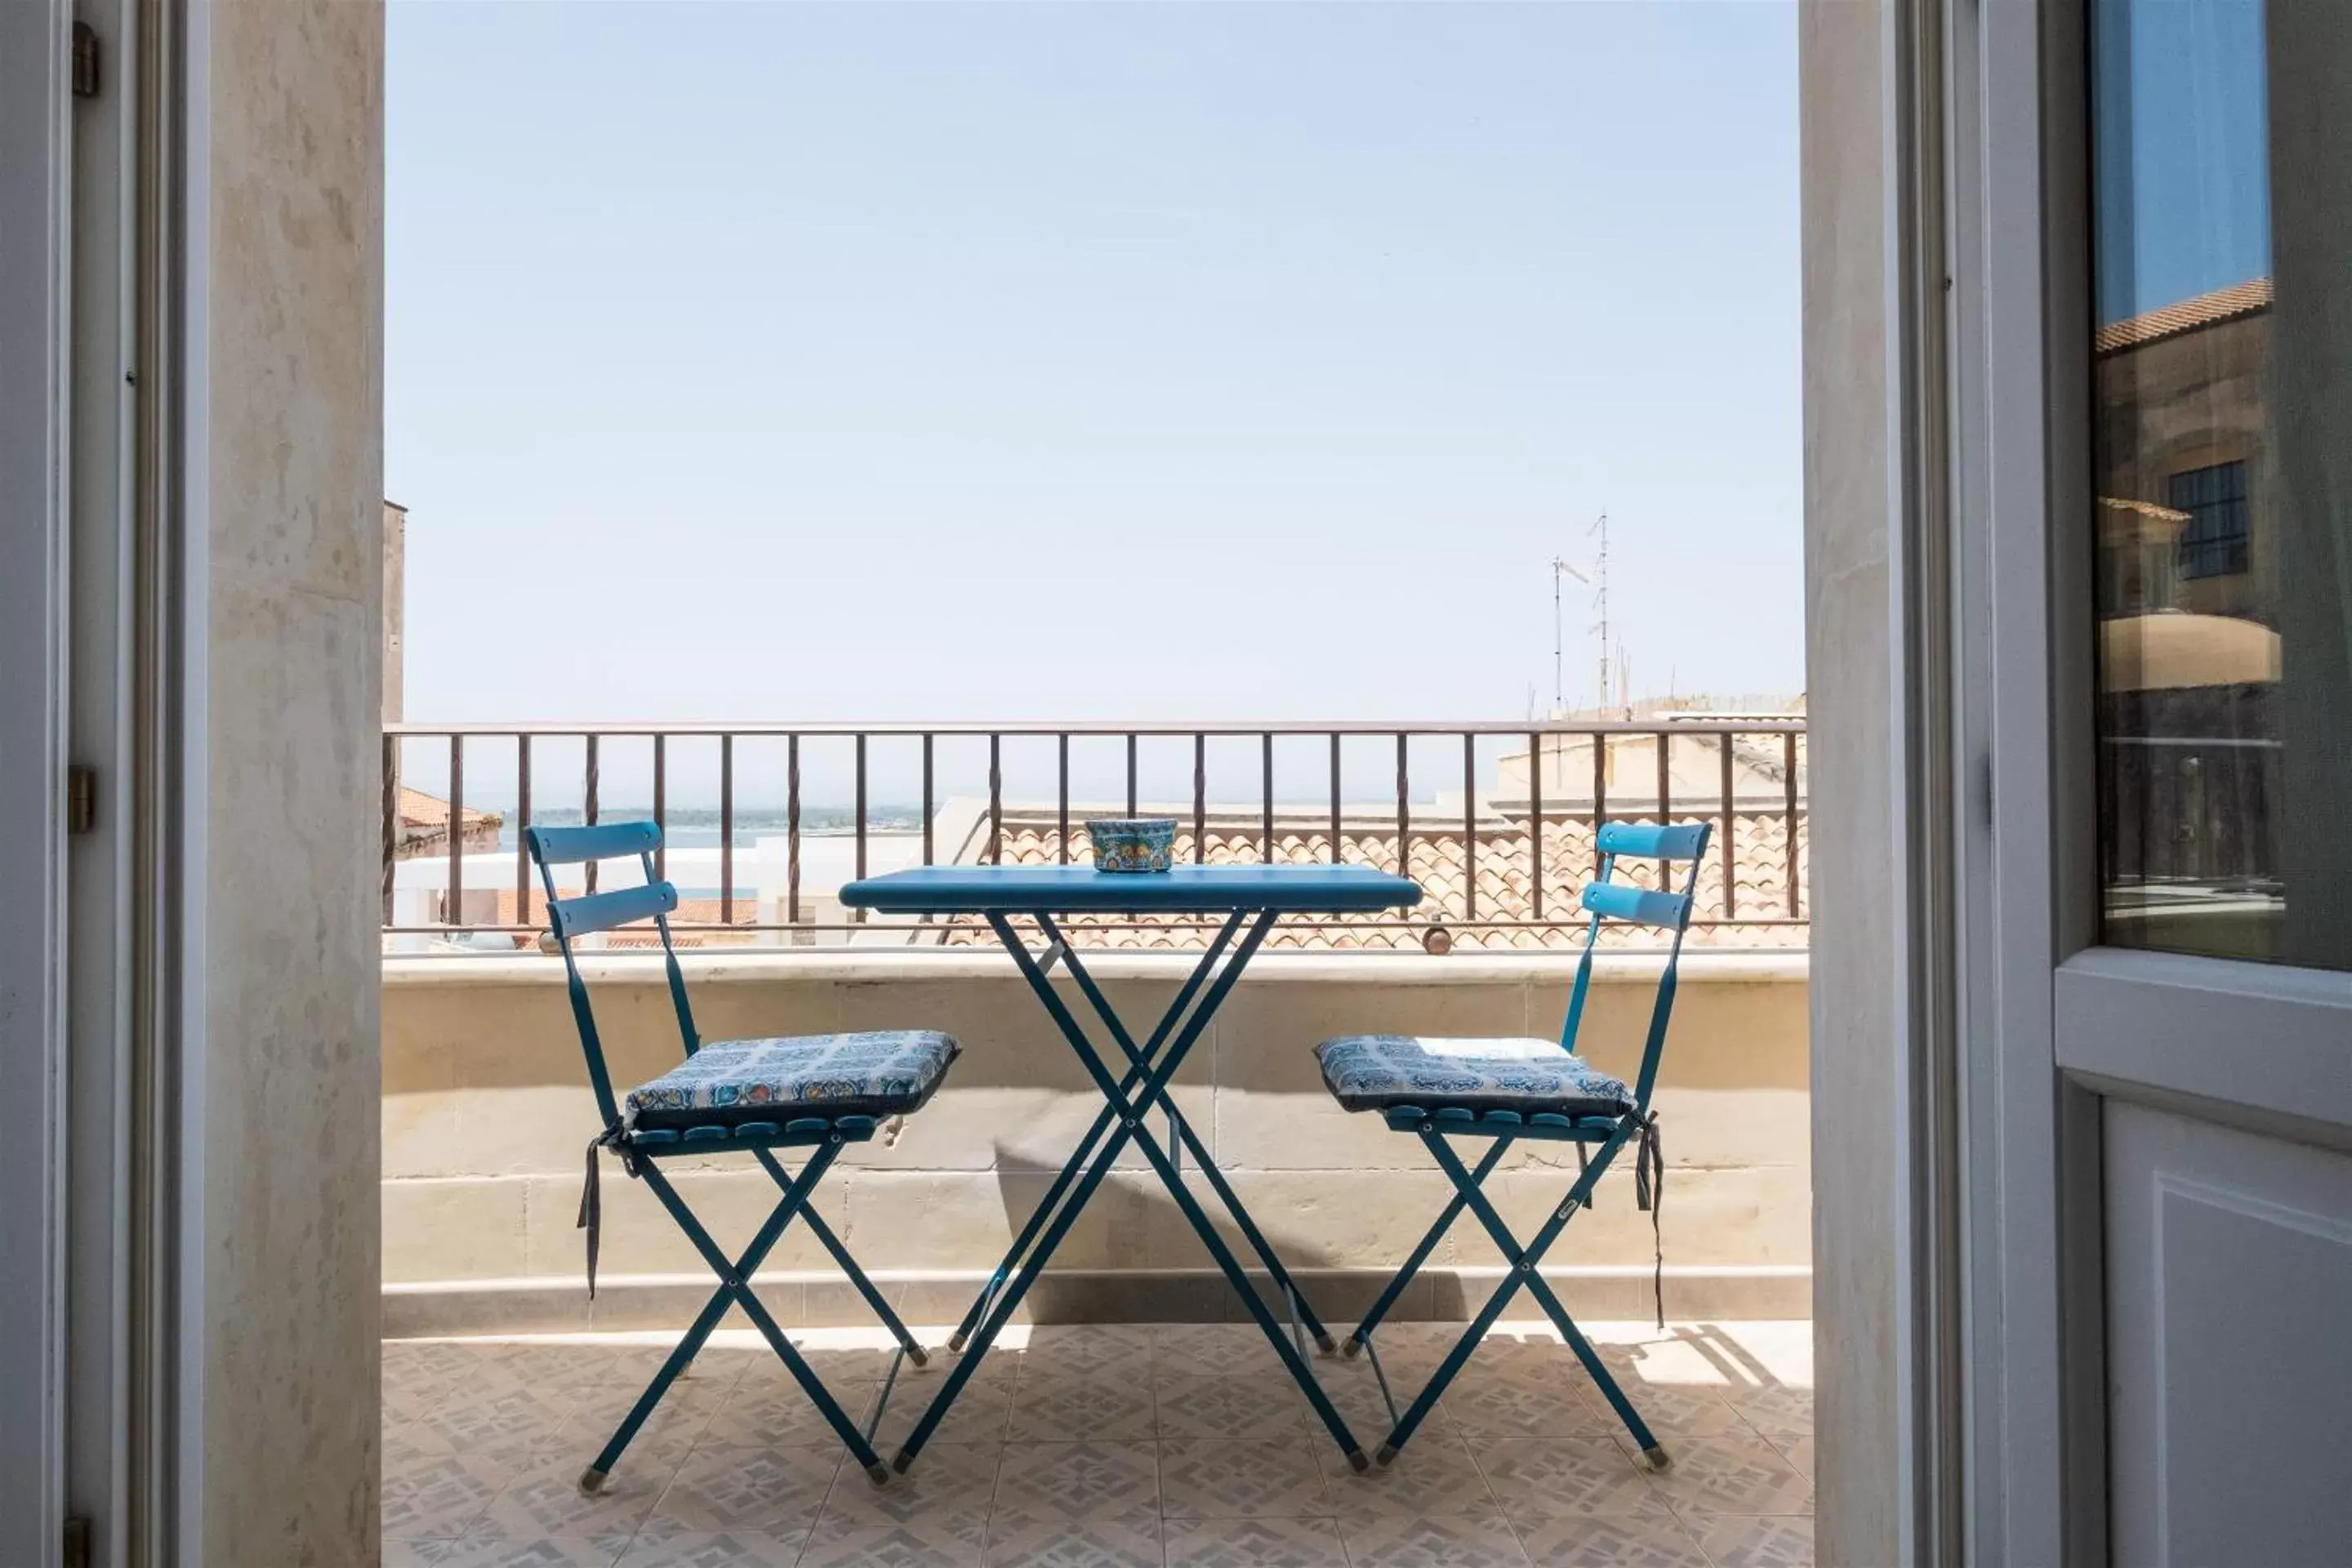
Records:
x=486, y=1110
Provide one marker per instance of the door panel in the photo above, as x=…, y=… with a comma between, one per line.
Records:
x=2229, y=1263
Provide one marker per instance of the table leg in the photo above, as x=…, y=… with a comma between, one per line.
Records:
x=1187, y=1139
x=992, y=1319
x=1134, y=1126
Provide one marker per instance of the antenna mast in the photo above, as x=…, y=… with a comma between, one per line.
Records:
x=1558, y=683
x=1601, y=600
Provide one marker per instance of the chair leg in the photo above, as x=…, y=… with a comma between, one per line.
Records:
x=1525, y=1262
x=1373, y=1318
x=1526, y=1269
x=735, y=1276
x=848, y=1265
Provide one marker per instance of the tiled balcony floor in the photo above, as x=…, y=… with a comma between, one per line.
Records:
x=1097, y=1448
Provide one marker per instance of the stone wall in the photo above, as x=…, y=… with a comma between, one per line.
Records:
x=288, y=585
x=485, y=1111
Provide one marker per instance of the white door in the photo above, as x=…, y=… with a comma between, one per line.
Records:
x=2200, y=594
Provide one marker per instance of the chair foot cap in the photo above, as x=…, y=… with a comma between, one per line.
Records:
x=1357, y=1462
x=1325, y=1342
x=955, y=1344
x=877, y=1472
x=1659, y=1461
x=1349, y=1350
x=1388, y=1453
x=592, y=1480
x=902, y=1460
x=915, y=1353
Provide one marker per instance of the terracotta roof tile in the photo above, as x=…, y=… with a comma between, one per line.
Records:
x=2184, y=316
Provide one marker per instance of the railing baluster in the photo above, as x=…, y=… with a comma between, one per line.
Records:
x=727, y=830
x=1535, y=825
x=1599, y=792
x=452, y=907
x=927, y=798
x=522, y=828
x=1789, y=817
x=995, y=798
x=1666, y=804
x=1130, y=774
x=1469, y=825
x=1265, y=819
x=1062, y=800
x=860, y=916
x=1730, y=893
x=1405, y=811
x=661, y=808
x=1336, y=856
x=1199, y=798
x=588, y=800
x=391, y=820
x=793, y=830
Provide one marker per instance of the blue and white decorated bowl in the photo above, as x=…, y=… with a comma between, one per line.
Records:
x=1133, y=843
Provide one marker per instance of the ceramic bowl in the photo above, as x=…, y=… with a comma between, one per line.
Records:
x=1133, y=843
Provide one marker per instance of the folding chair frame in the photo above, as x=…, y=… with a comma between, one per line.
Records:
x=642, y=1150
x=1437, y=1124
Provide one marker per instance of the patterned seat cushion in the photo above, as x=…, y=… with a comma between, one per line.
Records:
x=1373, y=1072
x=881, y=1072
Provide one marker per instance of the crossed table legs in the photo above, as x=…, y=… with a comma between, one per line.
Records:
x=1129, y=1100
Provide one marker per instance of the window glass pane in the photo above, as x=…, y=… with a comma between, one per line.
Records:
x=2223, y=456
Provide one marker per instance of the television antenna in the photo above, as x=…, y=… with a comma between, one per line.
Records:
x=1599, y=583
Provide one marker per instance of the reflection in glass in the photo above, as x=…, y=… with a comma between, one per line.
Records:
x=2222, y=460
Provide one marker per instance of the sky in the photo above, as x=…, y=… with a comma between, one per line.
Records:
x=776, y=362
x=2182, y=179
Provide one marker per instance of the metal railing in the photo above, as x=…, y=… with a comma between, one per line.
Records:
x=1508, y=857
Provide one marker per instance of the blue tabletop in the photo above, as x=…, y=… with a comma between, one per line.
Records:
x=1082, y=889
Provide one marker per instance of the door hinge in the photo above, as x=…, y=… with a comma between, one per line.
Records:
x=85, y=60
x=81, y=798
x=77, y=1543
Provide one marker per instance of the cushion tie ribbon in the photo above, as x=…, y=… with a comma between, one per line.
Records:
x=591, y=1202
x=1650, y=1192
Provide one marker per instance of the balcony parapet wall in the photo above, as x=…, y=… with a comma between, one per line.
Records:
x=486, y=1108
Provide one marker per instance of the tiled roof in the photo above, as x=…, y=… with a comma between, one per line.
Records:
x=2186, y=315
x=425, y=825
x=1444, y=862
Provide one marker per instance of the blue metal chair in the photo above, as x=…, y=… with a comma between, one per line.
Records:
x=1509, y=1090
x=817, y=1092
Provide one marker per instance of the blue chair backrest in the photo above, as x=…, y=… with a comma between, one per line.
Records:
x=576, y=917
x=1668, y=844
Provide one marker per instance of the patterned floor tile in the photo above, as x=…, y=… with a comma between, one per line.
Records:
x=440, y=1496
x=1078, y=1480
x=479, y=1552
x=1733, y=1542
x=1539, y=1477
x=981, y=1412
x=1609, y=1541
x=769, y=1491
x=1217, y=1478
x=1689, y=1410
x=505, y=1421
x=1777, y=1412
x=1075, y=1349
x=1253, y=1544
x=1797, y=1451
x=714, y=1549
x=1434, y=1475
x=1016, y=1539
x=943, y=1540
x=1351, y=1388
x=762, y=1415
x=1060, y=1408
x=676, y=1423
x=1431, y=1541
x=545, y=1499
x=1732, y=1475
x=946, y=1479
x=1524, y=1401
x=1212, y=1350
x=1191, y=1405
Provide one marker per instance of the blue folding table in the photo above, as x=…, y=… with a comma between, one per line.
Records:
x=1251, y=897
